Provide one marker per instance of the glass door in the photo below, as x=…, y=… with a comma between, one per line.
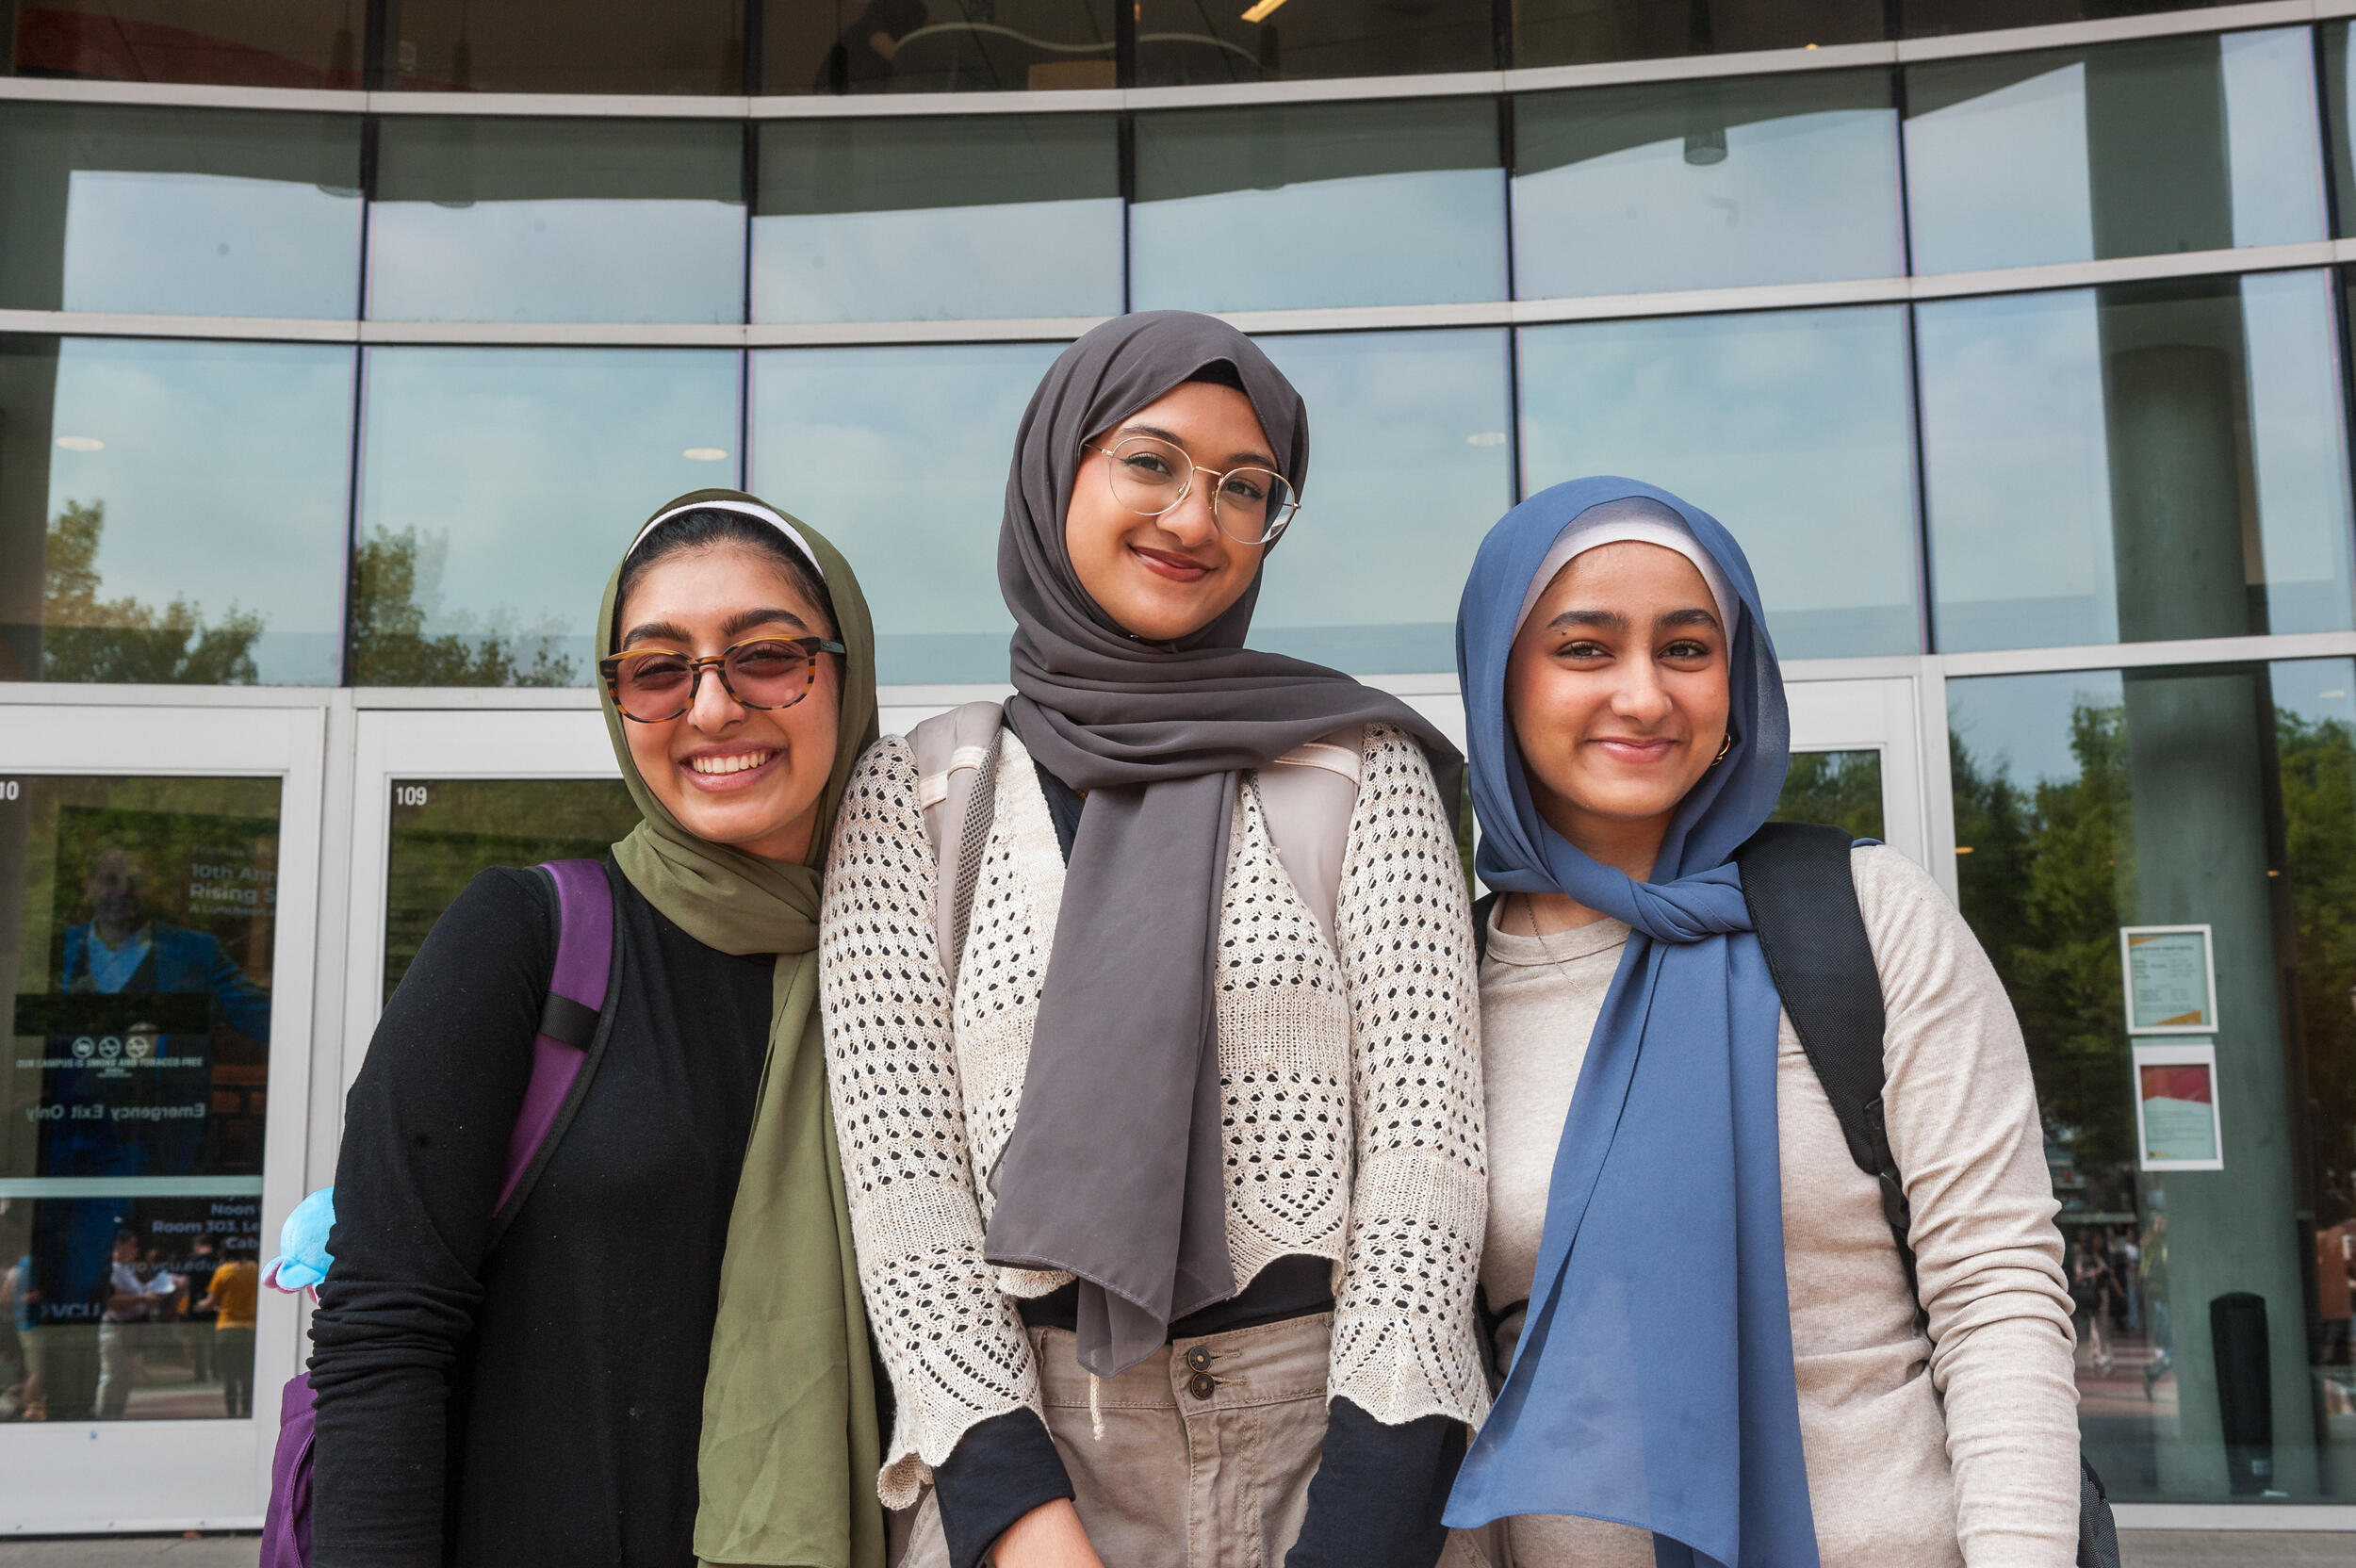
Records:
x=159, y=888
x=441, y=795
x=1857, y=762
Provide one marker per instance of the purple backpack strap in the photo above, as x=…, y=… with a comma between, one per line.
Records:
x=569, y=1019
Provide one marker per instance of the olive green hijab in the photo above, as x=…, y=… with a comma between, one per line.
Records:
x=790, y=1448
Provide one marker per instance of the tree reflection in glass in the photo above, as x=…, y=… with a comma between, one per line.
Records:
x=2225, y=796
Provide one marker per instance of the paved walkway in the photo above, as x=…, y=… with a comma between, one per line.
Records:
x=2139, y=1548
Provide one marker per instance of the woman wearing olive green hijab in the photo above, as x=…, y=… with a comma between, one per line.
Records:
x=664, y=1359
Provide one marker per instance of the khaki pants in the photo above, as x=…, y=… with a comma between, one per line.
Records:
x=1201, y=1465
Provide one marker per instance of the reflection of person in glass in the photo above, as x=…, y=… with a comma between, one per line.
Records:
x=1803, y=1393
x=862, y=57
x=129, y=1327
x=124, y=949
x=231, y=1299
x=648, y=1367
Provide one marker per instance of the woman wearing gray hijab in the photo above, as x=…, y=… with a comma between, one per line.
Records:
x=1166, y=1164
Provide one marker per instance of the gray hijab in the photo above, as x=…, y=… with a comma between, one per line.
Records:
x=1115, y=1168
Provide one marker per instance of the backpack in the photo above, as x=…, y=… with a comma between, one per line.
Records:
x=1803, y=903
x=565, y=1057
x=1307, y=797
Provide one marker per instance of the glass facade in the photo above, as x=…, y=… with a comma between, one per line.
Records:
x=2206, y=1179
x=1706, y=184
x=486, y=516
x=2196, y=144
x=1318, y=205
x=2136, y=461
x=1790, y=427
x=178, y=212
x=557, y=220
x=137, y=918
x=301, y=393
x=919, y=219
x=172, y=513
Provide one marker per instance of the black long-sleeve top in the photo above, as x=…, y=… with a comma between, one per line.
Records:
x=537, y=1402
x=1377, y=1497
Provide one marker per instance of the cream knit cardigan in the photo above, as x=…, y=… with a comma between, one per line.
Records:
x=1349, y=1076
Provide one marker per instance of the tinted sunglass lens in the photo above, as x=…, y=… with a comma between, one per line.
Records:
x=771, y=675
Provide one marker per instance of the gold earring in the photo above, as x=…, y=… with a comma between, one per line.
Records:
x=1724, y=746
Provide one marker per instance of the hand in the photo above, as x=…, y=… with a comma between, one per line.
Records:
x=1050, y=1536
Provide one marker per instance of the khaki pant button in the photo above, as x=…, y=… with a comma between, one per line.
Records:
x=1202, y=1385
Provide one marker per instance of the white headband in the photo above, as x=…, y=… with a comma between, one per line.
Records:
x=743, y=509
x=1644, y=521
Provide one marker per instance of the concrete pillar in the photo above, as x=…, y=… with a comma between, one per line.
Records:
x=2196, y=759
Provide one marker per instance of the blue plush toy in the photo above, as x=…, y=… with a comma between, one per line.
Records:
x=303, y=1258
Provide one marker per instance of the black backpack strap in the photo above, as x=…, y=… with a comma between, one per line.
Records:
x=1803, y=903
x=1482, y=907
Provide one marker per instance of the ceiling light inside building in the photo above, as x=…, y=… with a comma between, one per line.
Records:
x=1262, y=12
x=705, y=454
x=81, y=443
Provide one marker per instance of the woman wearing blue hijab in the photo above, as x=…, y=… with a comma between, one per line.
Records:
x=1707, y=1348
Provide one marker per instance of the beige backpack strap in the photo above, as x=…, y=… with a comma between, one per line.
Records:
x=957, y=776
x=1307, y=795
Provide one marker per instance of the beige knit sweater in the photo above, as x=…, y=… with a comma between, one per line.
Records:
x=1931, y=1451
x=1349, y=1073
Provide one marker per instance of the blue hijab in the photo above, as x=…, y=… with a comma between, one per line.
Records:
x=1653, y=1382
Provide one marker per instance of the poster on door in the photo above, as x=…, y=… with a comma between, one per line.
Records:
x=2176, y=1116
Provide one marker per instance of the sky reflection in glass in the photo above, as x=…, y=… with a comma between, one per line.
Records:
x=1292, y=206
x=928, y=220
x=558, y=221
x=1706, y=185
x=1790, y=426
x=1410, y=462
x=2032, y=402
x=900, y=456
x=222, y=473
x=178, y=212
x=499, y=485
x=2148, y=148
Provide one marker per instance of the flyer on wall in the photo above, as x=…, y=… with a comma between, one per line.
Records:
x=2170, y=975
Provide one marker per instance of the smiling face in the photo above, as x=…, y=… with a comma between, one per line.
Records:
x=1162, y=577
x=731, y=774
x=1617, y=692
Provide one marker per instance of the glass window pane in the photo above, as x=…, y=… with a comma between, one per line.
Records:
x=892, y=219
x=1183, y=41
x=1307, y=205
x=2219, y=796
x=497, y=485
x=137, y=922
x=1410, y=465
x=2194, y=143
x=900, y=456
x=1925, y=18
x=558, y=221
x=1843, y=788
x=172, y=511
x=1706, y=185
x=1790, y=426
x=938, y=45
x=1579, y=32
x=233, y=43
x=179, y=212
x=2341, y=111
x=571, y=47
x=444, y=830
x=2148, y=461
